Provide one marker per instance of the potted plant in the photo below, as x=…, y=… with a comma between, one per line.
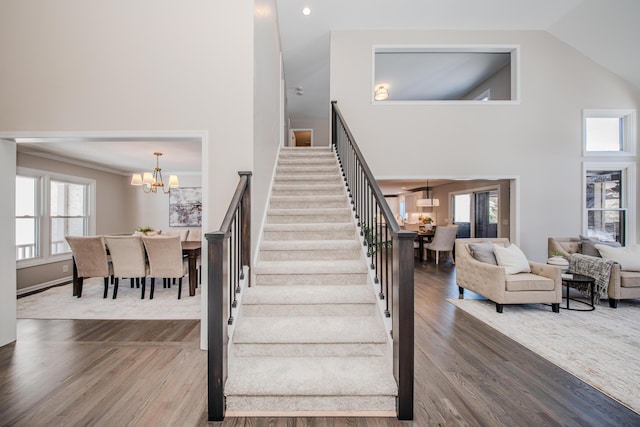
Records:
x=558, y=259
x=146, y=230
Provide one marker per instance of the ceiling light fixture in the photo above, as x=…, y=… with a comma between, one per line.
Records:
x=151, y=181
x=306, y=11
x=381, y=93
x=429, y=202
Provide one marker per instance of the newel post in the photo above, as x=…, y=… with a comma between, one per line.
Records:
x=403, y=321
x=217, y=315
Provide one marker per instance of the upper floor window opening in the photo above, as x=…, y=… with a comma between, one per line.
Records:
x=609, y=132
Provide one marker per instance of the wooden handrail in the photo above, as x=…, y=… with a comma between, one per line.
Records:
x=229, y=252
x=381, y=232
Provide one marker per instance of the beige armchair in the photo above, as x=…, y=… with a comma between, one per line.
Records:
x=541, y=286
x=622, y=284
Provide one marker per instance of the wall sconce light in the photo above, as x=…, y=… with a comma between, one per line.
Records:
x=381, y=93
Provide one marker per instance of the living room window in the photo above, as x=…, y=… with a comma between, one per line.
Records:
x=609, y=190
x=49, y=207
x=609, y=132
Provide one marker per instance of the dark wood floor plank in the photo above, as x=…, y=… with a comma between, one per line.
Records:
x=142, y=373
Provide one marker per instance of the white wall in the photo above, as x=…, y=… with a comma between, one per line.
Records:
x=149, y=65
x=153, y=209
x=7, y=243
x=267, y=133
x=537, y=140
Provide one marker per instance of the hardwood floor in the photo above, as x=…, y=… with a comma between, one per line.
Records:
x=152, y=373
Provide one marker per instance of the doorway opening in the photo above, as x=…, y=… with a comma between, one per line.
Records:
x=477, y=213
x=301, y=137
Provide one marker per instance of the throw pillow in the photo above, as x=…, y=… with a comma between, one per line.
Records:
x=512, y=259
x=628, y=257
x=589, y=247
x=483, y=252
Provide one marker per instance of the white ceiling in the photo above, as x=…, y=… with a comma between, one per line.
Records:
x=591, y=26
x=605, y=31
x=120, y=155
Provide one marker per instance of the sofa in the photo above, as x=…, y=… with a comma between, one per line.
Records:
x=541, y=285
x=622, y=284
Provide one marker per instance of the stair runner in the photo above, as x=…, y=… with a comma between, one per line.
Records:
x=310, y=338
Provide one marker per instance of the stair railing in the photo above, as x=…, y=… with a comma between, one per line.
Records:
x=229, y=252
x=390, y=250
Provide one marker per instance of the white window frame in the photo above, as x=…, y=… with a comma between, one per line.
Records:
x=513, y=49
x=628, y=131
x=628, y=170
x=43, y=234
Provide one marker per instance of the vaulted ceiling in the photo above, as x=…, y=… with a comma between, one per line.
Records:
x=605, y=31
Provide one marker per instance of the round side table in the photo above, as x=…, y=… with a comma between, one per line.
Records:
x=571, y=280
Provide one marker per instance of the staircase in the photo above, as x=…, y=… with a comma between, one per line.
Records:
x=310, y=337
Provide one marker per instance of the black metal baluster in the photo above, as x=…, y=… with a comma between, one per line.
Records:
x=386, y=269
x=238, y=251
x=240, y=214
x=376, y=242
x=229, y=283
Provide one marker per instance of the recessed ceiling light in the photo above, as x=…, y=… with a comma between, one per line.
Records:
x=306, y=11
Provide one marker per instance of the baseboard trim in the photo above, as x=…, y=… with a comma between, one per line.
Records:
x=43, y=286
x=280, y=414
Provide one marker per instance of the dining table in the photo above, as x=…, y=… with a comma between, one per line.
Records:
x=190, y=249
x=420, y=238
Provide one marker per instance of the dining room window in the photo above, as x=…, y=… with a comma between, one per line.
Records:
x=27, y=217
x=50, y=206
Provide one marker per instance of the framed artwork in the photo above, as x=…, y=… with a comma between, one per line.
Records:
x=185, y=207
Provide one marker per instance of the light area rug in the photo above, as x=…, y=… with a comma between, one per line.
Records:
x=601, y=347
x=58, y=303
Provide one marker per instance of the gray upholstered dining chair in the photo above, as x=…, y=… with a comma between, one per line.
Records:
x=90, y=260
x=443, y=241
x=128, y=259
x=165, y=260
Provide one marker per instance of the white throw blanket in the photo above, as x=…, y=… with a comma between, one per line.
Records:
x=598, y=268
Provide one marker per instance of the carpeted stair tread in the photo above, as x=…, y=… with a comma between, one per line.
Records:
x=308, y=295
x=307, y=154
x=309, y=330
x=312, y=199
x=309, y=245
x=338, y=188
x=311, y=267
x=310, y=228
x=311, y=168
x=291, y=250
x=310, y=177
x=309, y=215
x=310, y=211
x=311, y=376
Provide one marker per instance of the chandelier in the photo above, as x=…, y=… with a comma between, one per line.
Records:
x=429, y=202
x=152, y=181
